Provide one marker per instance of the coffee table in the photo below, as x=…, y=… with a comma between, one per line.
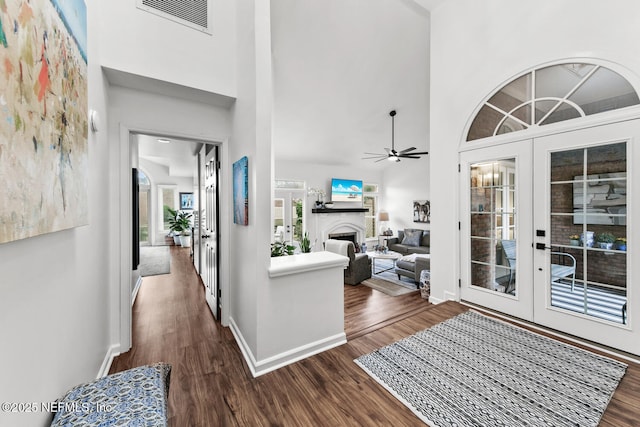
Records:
x=383, y=255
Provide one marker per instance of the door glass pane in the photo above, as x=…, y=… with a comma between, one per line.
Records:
x=296, y=219
x=493, y=225
x=278, y=220
x=588, y=231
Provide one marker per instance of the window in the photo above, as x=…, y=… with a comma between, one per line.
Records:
x=550, y=95
x=370, y=201
x=167, y=199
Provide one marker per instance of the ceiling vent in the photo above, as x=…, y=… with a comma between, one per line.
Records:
x=192, y=13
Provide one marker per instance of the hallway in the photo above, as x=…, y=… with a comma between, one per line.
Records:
x=212, y=386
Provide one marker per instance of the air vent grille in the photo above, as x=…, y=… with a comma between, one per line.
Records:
x=194, y=13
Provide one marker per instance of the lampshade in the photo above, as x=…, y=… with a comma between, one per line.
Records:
x=383, y=216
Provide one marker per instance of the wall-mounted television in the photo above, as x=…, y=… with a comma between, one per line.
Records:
x=346, y=190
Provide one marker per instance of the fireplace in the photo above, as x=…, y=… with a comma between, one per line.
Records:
x=352, y=237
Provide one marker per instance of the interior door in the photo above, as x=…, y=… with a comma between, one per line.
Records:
x=495, y=227
x=583, y=209
x=210, y=230
x=199, y=208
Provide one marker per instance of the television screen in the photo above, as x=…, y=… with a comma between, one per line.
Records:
x=346, y=190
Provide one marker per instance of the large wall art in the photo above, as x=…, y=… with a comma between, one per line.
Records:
x=241, y=191
x=43, y=129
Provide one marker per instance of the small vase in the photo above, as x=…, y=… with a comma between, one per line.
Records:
x=574, y=242
x=605, y=245
x=622, y=246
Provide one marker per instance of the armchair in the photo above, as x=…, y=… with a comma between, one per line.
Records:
x=359, y=267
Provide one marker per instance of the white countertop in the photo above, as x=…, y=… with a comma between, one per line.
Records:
x=301, y=263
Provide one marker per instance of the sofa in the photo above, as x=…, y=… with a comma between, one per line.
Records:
x=411, y=241
x=359, y=267
x=412, y=265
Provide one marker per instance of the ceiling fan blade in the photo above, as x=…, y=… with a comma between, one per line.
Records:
x=406, y=150
x=409, y=157
x=377, y=154
x=388, y=150
x=375, y=157
x=384, y=158
x=419, y=153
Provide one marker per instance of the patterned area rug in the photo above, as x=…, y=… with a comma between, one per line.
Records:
x=472, y=370
x=154, y=260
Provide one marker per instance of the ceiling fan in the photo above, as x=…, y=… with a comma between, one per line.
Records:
x=391, y=154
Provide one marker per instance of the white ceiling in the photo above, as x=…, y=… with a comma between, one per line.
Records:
x=177, y=156
x=339, y=67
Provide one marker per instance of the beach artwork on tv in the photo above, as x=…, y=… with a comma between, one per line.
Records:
x=43, y=129
x=346, y=190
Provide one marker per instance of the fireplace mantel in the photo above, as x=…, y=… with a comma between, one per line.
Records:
x=338, y=210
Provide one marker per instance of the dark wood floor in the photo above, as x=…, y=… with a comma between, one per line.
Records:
x=212, y=386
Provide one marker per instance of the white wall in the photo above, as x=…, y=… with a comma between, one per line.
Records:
x=403, y=183
x=251, y=137
x=159, y=175
x=319, y=176
x=54, y=311
x=132, y=110
x=138, y=42
x=478, y=46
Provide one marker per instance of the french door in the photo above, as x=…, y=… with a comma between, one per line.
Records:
x=583, y=211
x=495, y=218
x=547, y=235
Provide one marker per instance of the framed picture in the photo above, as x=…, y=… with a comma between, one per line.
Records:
x=241, y=191
x=422, y=211
x=186, y=201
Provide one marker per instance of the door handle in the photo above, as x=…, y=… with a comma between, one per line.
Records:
x=541, y=246
x=205, y=236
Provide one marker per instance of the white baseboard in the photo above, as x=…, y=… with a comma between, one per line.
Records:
x=108, y=360
x=135, y=290
x=261, y=367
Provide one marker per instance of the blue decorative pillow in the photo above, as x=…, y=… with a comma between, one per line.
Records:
x=412, y=237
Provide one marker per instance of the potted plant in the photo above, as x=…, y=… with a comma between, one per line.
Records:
x=175, y=227
x=621, y=243
x=184, y=221
x=319, y=193
x=281, y=249
x=605, y=240
x=574, y=240
x=305, y=244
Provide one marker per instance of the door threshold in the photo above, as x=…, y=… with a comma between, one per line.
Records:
x=629, y=357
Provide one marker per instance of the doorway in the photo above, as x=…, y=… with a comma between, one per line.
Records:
x=545, y=236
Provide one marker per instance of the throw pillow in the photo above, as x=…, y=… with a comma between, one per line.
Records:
x=412, y=237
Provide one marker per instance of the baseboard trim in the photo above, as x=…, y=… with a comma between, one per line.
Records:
x=108, y=360
x=136, y=288
x=261, y=367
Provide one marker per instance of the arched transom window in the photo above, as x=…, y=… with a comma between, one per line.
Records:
x=552, y=94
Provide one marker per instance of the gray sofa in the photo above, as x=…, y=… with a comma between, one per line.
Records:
x=404, y=246
x=413, y=268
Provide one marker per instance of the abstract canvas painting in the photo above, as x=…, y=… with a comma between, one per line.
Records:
x=43, y=128
x=241, y=191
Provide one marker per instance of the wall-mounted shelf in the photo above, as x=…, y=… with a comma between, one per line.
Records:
x=338, y=210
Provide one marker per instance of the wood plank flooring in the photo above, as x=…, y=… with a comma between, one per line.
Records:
x=212, y=386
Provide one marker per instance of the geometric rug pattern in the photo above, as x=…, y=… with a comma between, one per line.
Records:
x=473, y=370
